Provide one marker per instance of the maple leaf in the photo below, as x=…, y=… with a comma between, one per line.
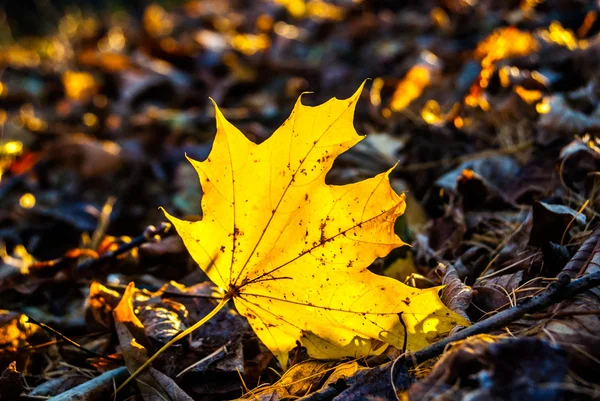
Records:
x=293, y=251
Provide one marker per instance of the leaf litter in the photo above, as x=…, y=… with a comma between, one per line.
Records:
x=489, y=111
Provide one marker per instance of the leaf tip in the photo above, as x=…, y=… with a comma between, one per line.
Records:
x=191, y=160
x=219, y=117
x=299, y=101
x=174, y=220
x=358, y=92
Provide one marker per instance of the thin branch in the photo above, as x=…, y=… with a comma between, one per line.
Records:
x=73, y=343
x=563, y=288
x=150, y=234
x=100, y=386
x=556, y=292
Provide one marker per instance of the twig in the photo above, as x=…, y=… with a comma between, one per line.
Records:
x=324, y=394
x=207, y=360
x=163, y=294
x=556, y=292
x=73, y=343
x=98, y=388
x=400, y=357
x=151, y=233
x=32, y=348
x=405, y=343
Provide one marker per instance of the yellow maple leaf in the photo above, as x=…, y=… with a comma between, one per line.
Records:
x=293, y=251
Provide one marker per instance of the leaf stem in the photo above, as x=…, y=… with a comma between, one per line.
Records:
x=178, y=337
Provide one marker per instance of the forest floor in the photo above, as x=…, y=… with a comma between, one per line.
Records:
x=490, y=109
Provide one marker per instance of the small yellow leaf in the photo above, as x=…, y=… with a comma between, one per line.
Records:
x=293, y=251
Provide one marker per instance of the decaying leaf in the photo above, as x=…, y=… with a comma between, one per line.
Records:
x=490, y=368
x=456, y=294
x=293, y=252
x=299, y=380
x=154, y=385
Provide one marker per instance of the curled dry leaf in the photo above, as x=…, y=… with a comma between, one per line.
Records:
x=127, y=323
x=167, y=311
x=479, y=194
x=101, y=302
x=577, y=164
x=296, y=382
x=292, y=251
x=456, y=294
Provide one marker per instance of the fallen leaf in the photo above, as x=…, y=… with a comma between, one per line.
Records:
x=553, y=222
x=101, y=302
x=299, y=380
x=479, y=194
x=456, y=294
x=420, y=75
x=577, y=163
x=292, y=251
x=497, y=293
x=153, y=385
x=482, y=369
x=127, y=323
x=494, y=171
x=441, y=238
x=560, y=117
